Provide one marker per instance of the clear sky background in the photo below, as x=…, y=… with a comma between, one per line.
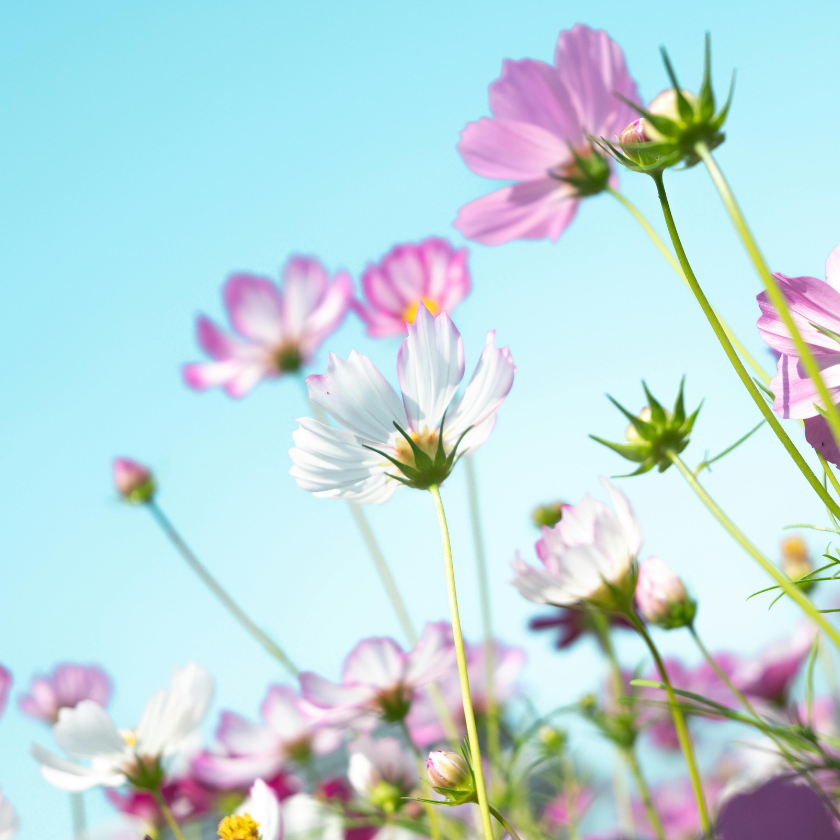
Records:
x=149, y=149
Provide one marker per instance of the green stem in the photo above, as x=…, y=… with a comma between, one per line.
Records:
x=167, y=814
x=790, y=589
x=648, y=229
x=679, y=724
x=463, y=675
x=505, y=824
x=774, y=292
x=431, y=813
x=570, y=785
x=492, y=710
x=218, y=590
x=77, y=811
x=753, y=391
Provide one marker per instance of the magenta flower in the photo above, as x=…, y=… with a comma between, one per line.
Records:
x=677, y=808
x=432, y=273
x=65, y=688
x=560, y=810
x=279, y=330
x=5, y=687
x=815, y=308
x=538, y=137
x=186, y=798
x=250, y=751
x=572, y=623
x=379, y=680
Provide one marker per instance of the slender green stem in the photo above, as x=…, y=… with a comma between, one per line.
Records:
x=790, y=589
x=705, y=464
x=679, y=723
x=809, y=681
x=77, y=812
x=492, y=710
x=505, y=824
x=753, y=391
x=774, y=292
x=628, y=754
x=167, y=814
x=648, y=229
x=830, y=473
x=469, y=716
x=570, y=785
x=218, y=590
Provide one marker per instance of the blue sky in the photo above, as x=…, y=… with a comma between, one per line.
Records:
x=150, y=149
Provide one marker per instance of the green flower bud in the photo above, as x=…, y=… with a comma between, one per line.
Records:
x=548, y=515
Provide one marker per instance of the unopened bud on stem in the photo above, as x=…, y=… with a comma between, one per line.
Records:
x=661, y=596
x=796, y=562
x=447, y=771
x=133, y=481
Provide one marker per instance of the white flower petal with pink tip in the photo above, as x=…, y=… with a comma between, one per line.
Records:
x=263, y=806
x=8, y=819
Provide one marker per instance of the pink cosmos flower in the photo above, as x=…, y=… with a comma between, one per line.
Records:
x=559, y=810
x=572, y=623
x=65, y=688
x=354, y=461
x=5, y=686
x=279, y=330
x=186, y=798
x=373, y=761
x=379, y=680
x=543, y=116
x=250, y=751
x=423, y=721
x=815, y=307
x=677, y=808
x=432, y=273
x=589, y=545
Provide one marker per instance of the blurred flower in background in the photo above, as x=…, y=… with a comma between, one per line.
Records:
x=65, y=688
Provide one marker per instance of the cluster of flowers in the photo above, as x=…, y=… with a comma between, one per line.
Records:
x=349, y=759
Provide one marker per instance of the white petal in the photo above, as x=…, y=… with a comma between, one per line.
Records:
x=577, y=527
x=67, y=775
x=8, y=819
x=305, y=818
x=87, y=731
x=432, y=656
x=538, y=586
x=264, y=809
x=624, y=512
x=490, y=384
x=379, y=662
x=358, y=397
x=281, y=711
x=430, y=366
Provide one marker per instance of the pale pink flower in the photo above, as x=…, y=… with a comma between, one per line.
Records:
x=373, y=761
x=661, y=597
x=5, y=687
x=677, y=808
x=352, y=461
x=65, y=688
x=432, y=273
x=248, y=751
x=379, y=680
x=564, y=807
x=542, y=116
x=278, y=330
x=591, y=544
x=815, y=308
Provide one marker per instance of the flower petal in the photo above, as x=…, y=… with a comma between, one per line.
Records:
x=832, y=269
x=69, y=776
x=326, y=318
x=624, y=513
x=379, y=662
x=304, y=285
x=430, y=366
x=264, y=808
x=795, y=392
x=255, y=307
x=818, y=434
x=87, y=731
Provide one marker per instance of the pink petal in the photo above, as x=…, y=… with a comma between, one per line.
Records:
x=818, y=434
x=447, y=274
x=242, y=737
x=378, y=662
x=796, y=393
x=213, y=340
x=379, y=323
x=530, y=210
x=326, y=695
x=304, y=285
x=329, y=313
x=203, y=375
x=255, y=307
x=511, y=151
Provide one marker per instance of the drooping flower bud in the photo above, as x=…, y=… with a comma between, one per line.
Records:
x=796, y=562
x=450, y=775
x=548, y=515
x=654, y=434
x=133, y=481
x=661, y=596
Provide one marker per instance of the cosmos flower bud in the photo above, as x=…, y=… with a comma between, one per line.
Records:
x=449, y=773
x=133, y=481
x=635, y=133
x=632, y=434
x=548, y=515
x=553, y=740
x=796, y=562
x=661, y=596
x=666, y=104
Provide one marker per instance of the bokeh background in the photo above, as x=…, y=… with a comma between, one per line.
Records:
x=149, y=149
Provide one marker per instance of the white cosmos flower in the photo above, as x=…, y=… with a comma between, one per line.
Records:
x=308, y=818
x=589, y=546
x=374, y=761
x=352, y=461
x=8, y=819
x=116, y=756
x=263, y=807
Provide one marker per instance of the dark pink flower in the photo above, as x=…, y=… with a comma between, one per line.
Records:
x=432, y=273
x=5, y=687
x=677, y=808
x=559, y=810
x=186, y=798
x=249, y=751
x=815, y=308
x=279, y=330
x=65, y=688
x=543, y=116
x=572, y=623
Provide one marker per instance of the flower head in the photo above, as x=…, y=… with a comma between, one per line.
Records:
x=8, y=819
x=383, y=441
x=654, y=433
x=133, y=481
x=257, y=818
x=185, y=797
x=569, y=806
x=247, y=751
x=381, y=771
x=796, y=561
x=135, y=756
x=451, y=776
x=588, y=556
x=572, y=623
x=539, y=138
x=661, y=596
x=815, y=308
x=65, y=688
x=279, y=329
x=431, y=273
x=379, y=680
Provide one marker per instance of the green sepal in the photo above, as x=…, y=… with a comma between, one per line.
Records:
x=634, y=452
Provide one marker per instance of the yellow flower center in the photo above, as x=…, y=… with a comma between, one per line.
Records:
x=411, y=311
x=129, y=736
x=239, y=828
x=425, y=440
